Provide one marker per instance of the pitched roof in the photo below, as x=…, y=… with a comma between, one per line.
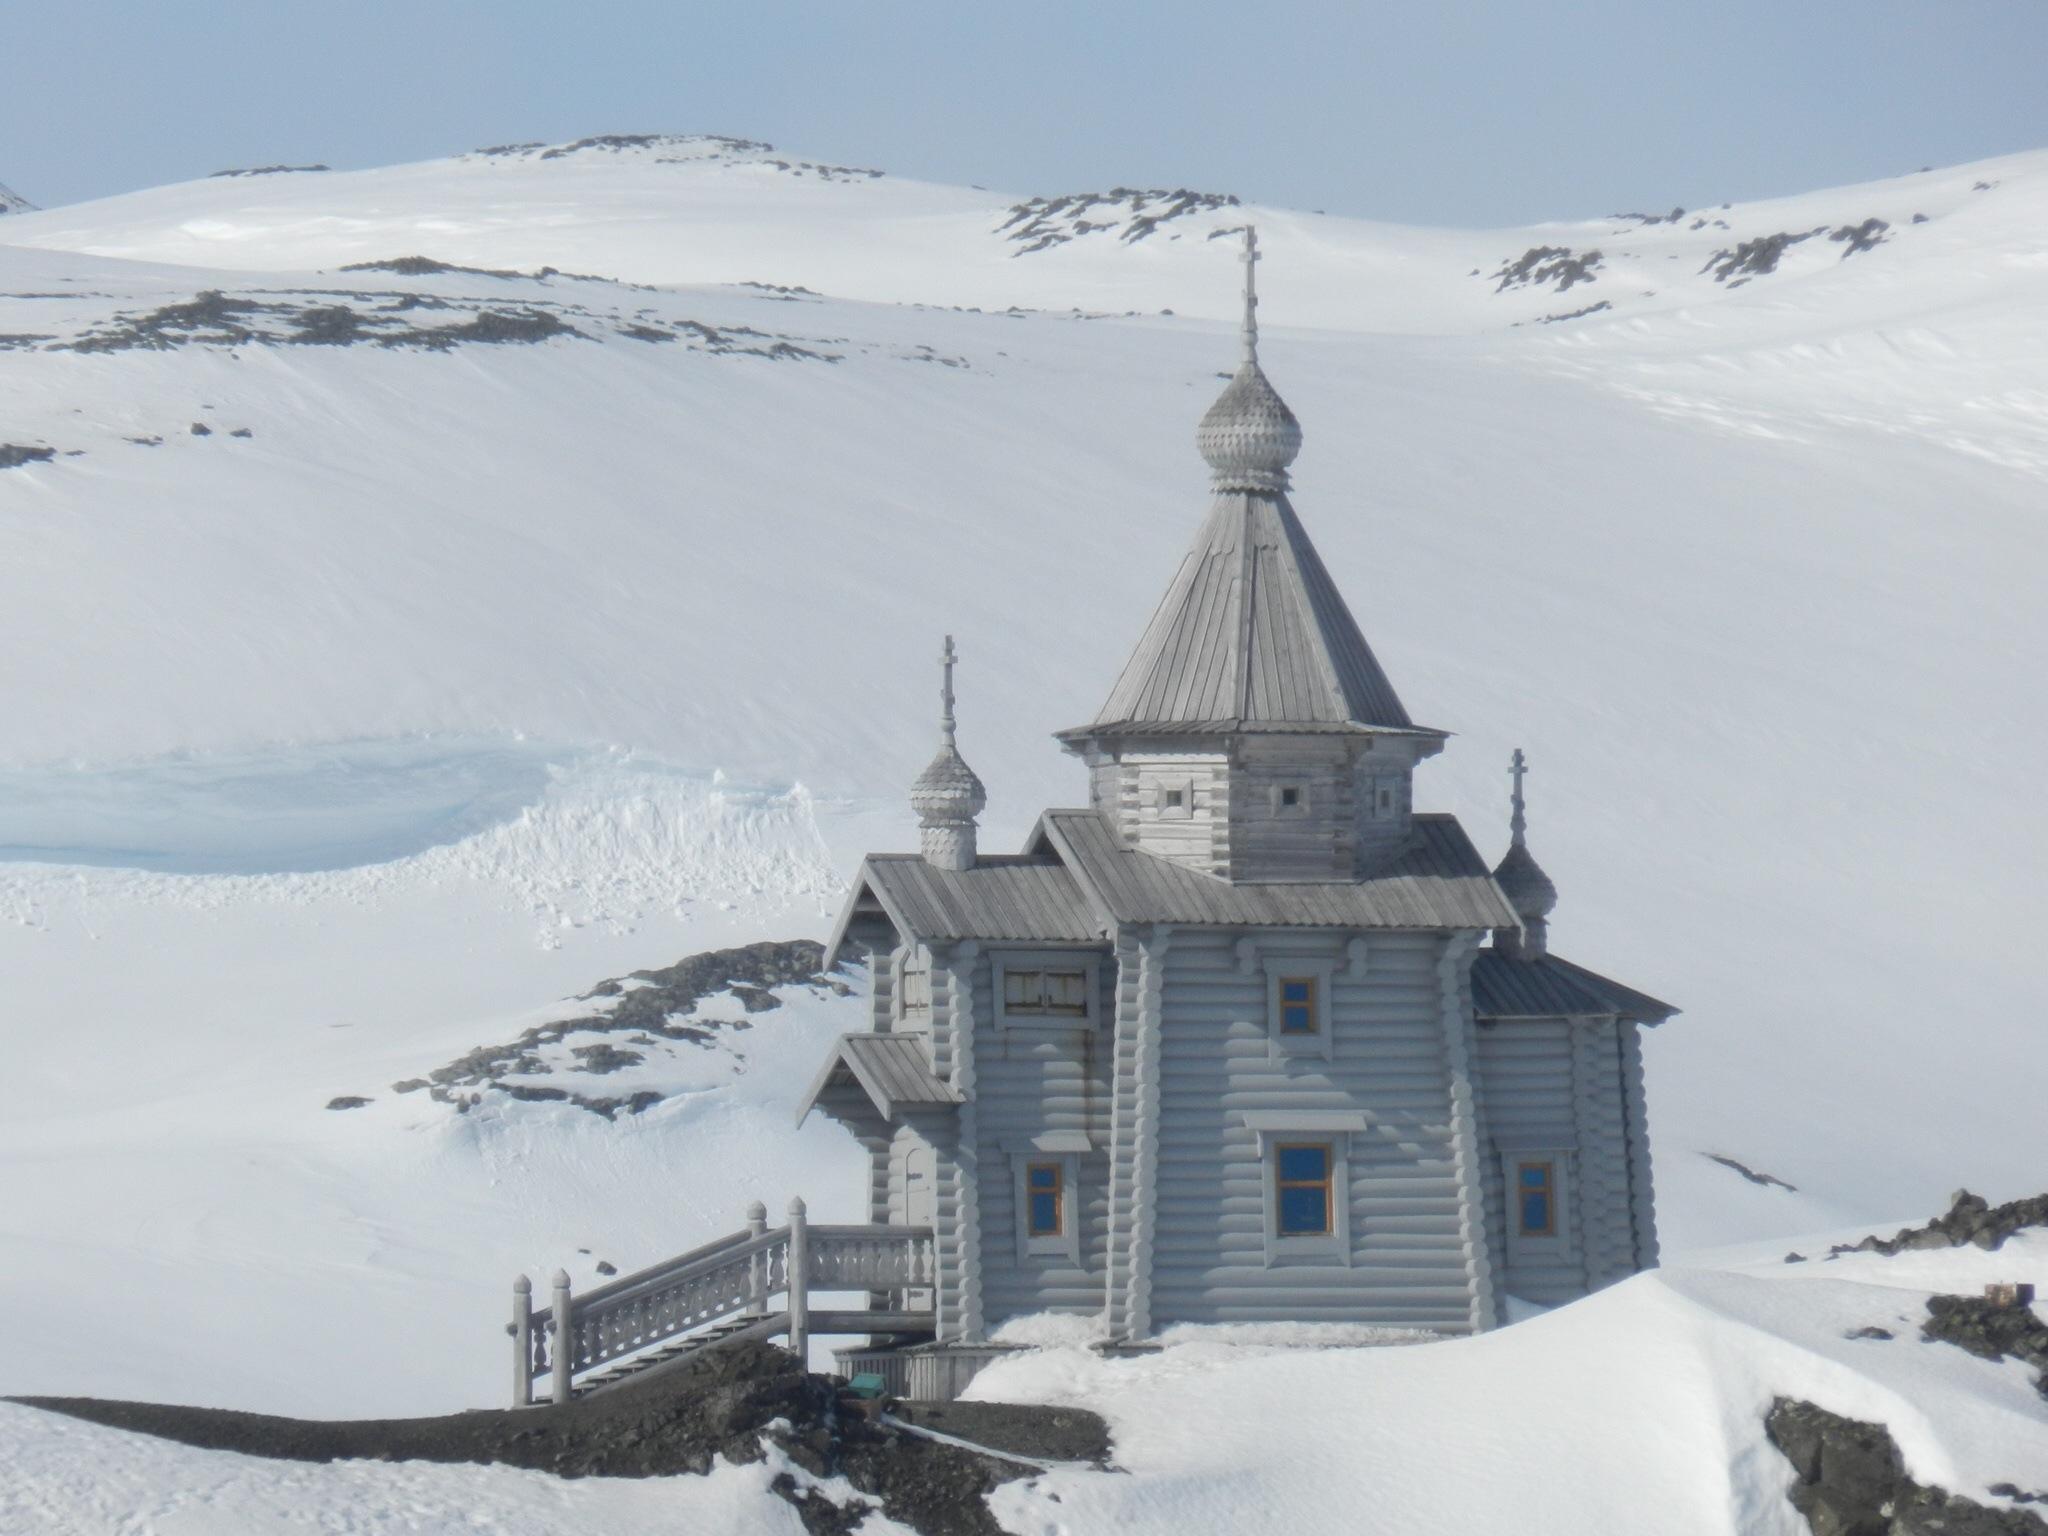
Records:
x=892, y=1070
x=1504, y=987
x=1437, y=881
x=1252, y=631
x=1006, y=897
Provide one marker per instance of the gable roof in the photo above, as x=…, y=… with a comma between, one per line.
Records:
x=1252, y=631
x=892, y=1070
x=1505, y=987
x=1019, y=898
x=1437, y=881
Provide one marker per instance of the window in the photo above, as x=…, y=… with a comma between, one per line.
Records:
x=1175, y=799
x=914, y=989
x=1386, y=799
x=1046, y=1200
x=1045, y=989
x=1298, y=1005
x=1536, y=1199
x=1046, y=994
x=1173, y=795
x=1301, y=1188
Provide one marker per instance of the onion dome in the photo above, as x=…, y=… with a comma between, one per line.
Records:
x=1249, y=436
x=948, y=795
x=1521, y=879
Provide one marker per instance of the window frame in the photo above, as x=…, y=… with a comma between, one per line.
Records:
x=1088, y=963
x=1063, y=1150
x=1524, y=1191
x=1330, y=1129
x=1558, y=1150
x=1281, y=810
x=913, y=960
x=1320, y=972
x=1033, y=1192
x=1174, y=784
x=1282, y=1184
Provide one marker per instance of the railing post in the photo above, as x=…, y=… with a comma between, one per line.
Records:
x=757, y=1266
x=522, y=1343
x=799, y=1284
x=565, y=1345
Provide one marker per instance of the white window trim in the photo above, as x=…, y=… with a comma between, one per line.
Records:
x=1065, y=1148
x=1185, y=783
x=906, y=959
x=1290, y=968
x=1090, y=965
x=1560, y=1151
x=1276, y=1128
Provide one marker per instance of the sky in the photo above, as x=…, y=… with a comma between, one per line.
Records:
x=1455, y=112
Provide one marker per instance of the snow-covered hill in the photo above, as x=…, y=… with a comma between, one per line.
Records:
x=12, y=201
x=397, y=635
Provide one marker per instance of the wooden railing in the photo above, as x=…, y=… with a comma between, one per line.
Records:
x=735, y=1276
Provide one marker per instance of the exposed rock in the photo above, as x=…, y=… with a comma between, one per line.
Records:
x=729, y=1402
x=1969, y=1219
x=1768, y=1180
x=1990, y=1331
x=1852, y=1482
x=14, y=455
x=1542, y=266
x=347, y=1101
x=652, y=1006
x=201, y=429
x=1039, y=223
x=274, y=170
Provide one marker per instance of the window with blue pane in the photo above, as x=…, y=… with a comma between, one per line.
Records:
x=1302, y=1179
x=1045, y=1197
x=1298, y=1005
x=1536, y=1198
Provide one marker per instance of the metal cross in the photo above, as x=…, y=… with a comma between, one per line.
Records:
x=1250, y=258
x=946, y=659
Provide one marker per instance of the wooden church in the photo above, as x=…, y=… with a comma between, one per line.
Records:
x=1248, y=1038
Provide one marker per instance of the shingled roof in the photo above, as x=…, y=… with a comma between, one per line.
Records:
x=1252, y=635
x=1545, y=987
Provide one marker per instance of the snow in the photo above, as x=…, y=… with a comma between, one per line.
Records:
x=1644, y=1403
x=61, y=1477
x=478, y=673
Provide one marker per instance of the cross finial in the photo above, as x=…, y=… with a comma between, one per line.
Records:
x=1250, y=258
x=1518, y=824
x=946, y=660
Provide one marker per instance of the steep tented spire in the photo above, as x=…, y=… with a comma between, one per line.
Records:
x=947, y=796
x=1249, y=436
x=1521, y=879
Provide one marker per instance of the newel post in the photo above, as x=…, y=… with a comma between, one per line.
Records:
x=799, y=1283
x=565, y=1343
x=522, y=1342
x=757, y=1264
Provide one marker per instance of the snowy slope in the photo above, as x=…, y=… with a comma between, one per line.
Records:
x=482, y=669
x=1641, y=1408
x=12, y=201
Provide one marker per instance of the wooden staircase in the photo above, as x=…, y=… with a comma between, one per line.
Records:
x=720, y=1294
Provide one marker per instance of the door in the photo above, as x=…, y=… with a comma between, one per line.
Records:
x=920, y=1203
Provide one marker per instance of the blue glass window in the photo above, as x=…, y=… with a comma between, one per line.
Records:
x=1302, y=1188
x=1298, y=1006
x=1045, y=1199
x=1537, y=1192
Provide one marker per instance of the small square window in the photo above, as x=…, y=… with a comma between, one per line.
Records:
x=1536, y=1198
x=1176, y=798
x=1290, y=797
x=1045, y=1197
x=1297, y=1005
x=1302, y=1187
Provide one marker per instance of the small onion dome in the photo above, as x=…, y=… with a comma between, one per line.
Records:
x=1249, y=436
x=1528, y=890
x=947, y=791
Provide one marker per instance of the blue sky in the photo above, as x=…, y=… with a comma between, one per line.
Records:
x=1430, y=111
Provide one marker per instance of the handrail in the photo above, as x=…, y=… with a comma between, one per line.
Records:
x=736, y=1274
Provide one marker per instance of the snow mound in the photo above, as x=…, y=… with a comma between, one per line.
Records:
x=1641, y=1406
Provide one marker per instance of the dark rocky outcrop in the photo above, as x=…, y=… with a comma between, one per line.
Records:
x=1990, y=1330
x=728, y=1402
x=1852, y=1482
x=1547, y=266
x=1970, y=1219
x=14, y=455
x=652, y=1005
